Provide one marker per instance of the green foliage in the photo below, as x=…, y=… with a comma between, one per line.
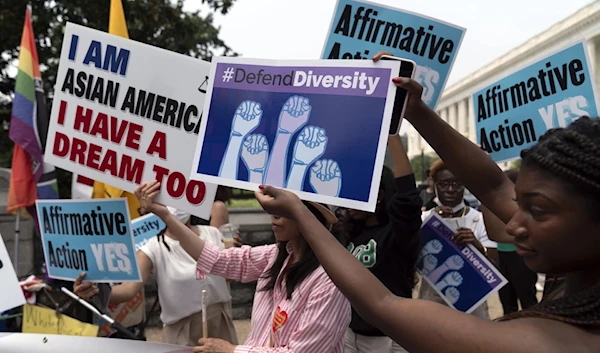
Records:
x=421, y=163
x=516, y=164
x=161, y=23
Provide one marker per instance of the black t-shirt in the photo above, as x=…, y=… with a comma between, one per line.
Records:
x=390, y=250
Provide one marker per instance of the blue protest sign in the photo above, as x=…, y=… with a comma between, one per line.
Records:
x=512, y=114
x=360, y=29
x=318, y=128
x=91, y=236
x=145, y=228
x=461, y=275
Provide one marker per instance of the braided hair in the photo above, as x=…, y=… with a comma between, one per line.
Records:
x=573, y=155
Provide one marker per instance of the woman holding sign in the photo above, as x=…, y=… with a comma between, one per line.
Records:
x=297, y=309
x=554, y=222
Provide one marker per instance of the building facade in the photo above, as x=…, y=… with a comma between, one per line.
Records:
x=456, y=104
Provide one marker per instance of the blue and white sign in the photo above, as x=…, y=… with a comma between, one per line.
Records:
x=145, y=228
x=512, y=114
x=91, y=236
x=360, y=29
x=461, y=275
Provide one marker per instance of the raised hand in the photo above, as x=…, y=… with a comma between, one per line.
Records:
x=294, y=114
x=326, y=177
x=454, y=262
x=429, y=264
x=452, y=294
x=310, y=145
x=146, y=193
x=85, y=290
x=278, y=202
x=246, y=118
x=451, y=279
x=433, y=247
x=255, y=152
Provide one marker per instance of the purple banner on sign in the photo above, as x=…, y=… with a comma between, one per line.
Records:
x=347, y=81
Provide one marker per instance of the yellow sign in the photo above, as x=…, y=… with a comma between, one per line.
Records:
x=37, y=319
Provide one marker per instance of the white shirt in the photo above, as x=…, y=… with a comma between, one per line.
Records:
x=472, y=220
x=179, y=293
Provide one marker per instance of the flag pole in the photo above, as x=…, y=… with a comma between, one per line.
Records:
x=17, y=236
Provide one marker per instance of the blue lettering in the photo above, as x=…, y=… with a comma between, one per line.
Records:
x=114, y=61
x=94, y=54
x=73, y=48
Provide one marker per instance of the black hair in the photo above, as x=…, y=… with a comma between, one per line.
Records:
x=572, y=155
x=224, y=194
x=294, y=273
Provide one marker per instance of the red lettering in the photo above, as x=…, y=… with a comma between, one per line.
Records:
x=158, y=145
x=61, y=145
x=100, y=126
x=109, y=162
x=94, y=155
x=131, y=170
x=82, y=118
x=133, y=136
x=61, y=112
x=78, y=151
x=195, y=192
x=160, y=173
x=176, y=184
x=117, y=135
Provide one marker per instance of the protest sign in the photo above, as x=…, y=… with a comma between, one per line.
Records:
x=461, y=275
x=37, y=319
x=11, y=294
x=512, y=114
x=128, y=314
x=91, y=236
x=315, y=127
x=145, y=228
x=126, y=113
x=359, y=29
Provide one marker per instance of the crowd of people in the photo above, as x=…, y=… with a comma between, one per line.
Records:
x=342, y=280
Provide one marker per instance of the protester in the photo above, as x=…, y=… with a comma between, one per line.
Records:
x=387, y=243
x=468, y=222
x=296, y=306
x=428, y=194
x=219, y=214
x=178, y=290
x=521, y=280
x=554, y=221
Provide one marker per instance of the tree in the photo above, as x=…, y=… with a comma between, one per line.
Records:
x=421, y=163
x=161, y=23
x=516, y=164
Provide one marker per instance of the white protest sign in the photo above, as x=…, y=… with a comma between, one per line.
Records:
x=125, y=113
x=11, y=294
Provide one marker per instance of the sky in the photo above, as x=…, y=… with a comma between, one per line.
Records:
x=286, y=29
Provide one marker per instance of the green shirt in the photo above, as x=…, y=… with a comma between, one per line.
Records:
x=506, y=247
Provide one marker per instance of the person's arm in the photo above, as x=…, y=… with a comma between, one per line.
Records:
x=417, y=325
x=219, y=214
x=323, y=323
x=495, y=227
x=471, y=165
x=404, y=208
x=124, y=292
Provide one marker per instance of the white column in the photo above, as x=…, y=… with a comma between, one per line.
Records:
x=462, y=117
x=471, y=120
x=444, y=114
x=452, y=116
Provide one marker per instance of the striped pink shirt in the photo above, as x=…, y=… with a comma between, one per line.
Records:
x=313, y=321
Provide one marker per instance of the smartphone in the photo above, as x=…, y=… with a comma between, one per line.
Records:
x=407, y=69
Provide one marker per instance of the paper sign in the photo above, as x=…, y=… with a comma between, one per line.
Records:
x=512, y=114
x=37, y=319
x=126, y=113
x=145, y=228
x=461, y=275
x=318, y=128
x=11, y=294
x=91, y=236
x=360, y=29
x=128, y=314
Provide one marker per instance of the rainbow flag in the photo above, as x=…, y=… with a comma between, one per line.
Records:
x=31, y=178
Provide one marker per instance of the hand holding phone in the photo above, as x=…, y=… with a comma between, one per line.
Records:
x=407, y=69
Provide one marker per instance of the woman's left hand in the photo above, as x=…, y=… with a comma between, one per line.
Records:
x=214, y=345
x=278, y=202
